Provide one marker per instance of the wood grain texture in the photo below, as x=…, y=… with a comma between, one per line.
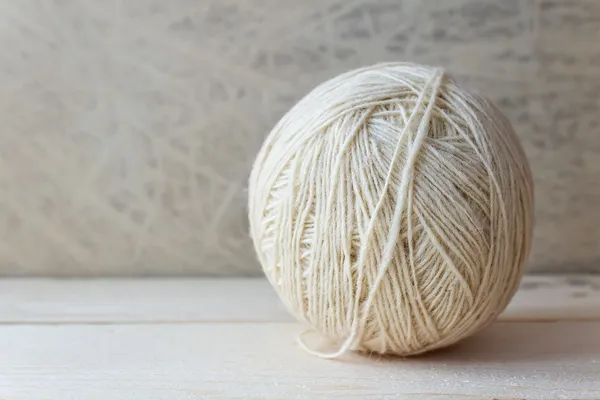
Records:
x=542, y=298
x=146, y=300
x=262, y=361
x=221, y=339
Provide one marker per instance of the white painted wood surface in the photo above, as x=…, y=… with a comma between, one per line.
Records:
x=139, y=300
x=541, y=297
x=140, y=339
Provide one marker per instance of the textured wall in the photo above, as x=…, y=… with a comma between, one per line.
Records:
x=129, y=125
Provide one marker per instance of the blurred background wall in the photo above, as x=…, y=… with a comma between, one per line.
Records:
x=128, y=127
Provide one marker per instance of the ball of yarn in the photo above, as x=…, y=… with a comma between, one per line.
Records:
x=392, y=210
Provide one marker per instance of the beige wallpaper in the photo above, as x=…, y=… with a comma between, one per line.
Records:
x=128, y=126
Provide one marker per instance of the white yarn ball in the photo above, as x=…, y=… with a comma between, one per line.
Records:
x=392, y=210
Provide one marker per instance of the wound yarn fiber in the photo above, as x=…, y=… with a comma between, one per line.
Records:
x=392, y=210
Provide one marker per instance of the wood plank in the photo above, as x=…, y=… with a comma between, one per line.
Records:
x=139, y=300
x=573, y=297
x=561, y=297
x=262, y=361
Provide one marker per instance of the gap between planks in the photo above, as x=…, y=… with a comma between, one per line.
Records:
x=158, y=339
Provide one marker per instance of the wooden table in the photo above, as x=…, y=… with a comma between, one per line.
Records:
x=231, y=339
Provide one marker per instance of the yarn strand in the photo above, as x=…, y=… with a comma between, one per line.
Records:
x=434, y=82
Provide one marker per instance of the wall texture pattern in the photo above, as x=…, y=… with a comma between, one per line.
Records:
x=129, y=126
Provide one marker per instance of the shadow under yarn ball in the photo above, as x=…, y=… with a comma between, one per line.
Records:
x=392, y=210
